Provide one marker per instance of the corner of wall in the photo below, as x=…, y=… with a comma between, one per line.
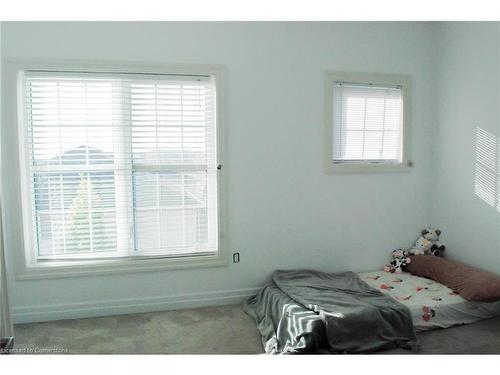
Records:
x=435, y=30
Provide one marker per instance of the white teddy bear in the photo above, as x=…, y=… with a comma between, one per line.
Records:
x=421, y=246
x=428, y=243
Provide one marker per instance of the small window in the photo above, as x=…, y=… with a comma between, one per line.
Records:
x=121, y=165
x=366, y=122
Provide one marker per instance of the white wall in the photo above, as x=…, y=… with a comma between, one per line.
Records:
x=5, y=321
x=468, y=83
x=283, y=211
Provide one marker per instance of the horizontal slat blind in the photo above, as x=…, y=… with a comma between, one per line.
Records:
x=174, y=171
x=121, y=165
x=367, y=123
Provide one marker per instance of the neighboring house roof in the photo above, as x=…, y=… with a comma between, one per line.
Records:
x=82, y=155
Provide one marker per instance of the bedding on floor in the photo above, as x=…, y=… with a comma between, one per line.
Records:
x=432, y=305
x=312, y=311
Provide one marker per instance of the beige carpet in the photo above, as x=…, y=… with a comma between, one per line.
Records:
x=214, y=330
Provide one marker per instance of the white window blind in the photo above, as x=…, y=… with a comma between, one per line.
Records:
x=367, y=123
x=121, y=164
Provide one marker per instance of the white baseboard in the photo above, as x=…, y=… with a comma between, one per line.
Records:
x=43, y=313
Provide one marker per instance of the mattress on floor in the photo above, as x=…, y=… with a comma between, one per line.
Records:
x=432, y=305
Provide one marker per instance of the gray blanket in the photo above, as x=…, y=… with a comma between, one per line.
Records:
x=305, y=311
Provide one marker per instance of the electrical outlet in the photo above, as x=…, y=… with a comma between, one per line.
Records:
x=236, y=257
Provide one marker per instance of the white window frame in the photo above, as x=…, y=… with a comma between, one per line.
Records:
x=26, y=267
x=404, y=81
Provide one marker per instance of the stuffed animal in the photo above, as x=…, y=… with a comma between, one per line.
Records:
x=421, y=246
x=399, y=260
x=428, y=243
x=432, y=235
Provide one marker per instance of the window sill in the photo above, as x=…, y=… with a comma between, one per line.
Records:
x=64, y=269
x=334, y=168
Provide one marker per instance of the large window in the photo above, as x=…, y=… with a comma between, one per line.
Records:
x=367, y=122
x=121, y=165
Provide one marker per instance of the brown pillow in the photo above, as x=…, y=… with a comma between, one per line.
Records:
x=471, y=283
